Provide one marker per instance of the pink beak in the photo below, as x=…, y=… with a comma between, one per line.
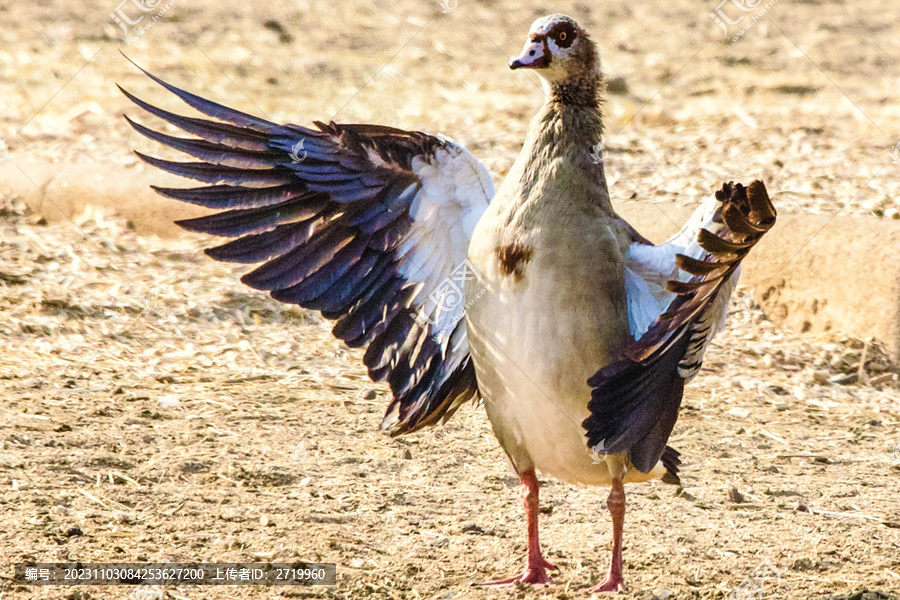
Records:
x=535, y=55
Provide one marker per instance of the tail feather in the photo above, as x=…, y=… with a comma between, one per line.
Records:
x=217, y=154
x=216, y=110
x=232, y=196
x=217, y=174
x=211, y=131
x=671, y=460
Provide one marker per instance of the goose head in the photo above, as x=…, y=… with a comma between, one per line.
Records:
x=563, y=55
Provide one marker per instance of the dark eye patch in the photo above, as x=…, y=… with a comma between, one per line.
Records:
x=563, y=34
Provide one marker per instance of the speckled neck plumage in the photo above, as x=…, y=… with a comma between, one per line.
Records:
x=563, y=136
x=583, y=91
x=582, y=85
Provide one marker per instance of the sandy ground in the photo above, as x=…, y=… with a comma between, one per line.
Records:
x=156, y=410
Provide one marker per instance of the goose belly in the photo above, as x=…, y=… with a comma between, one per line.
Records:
x=536, y=337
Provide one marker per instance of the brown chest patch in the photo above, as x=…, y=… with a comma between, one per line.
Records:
x=513, y=259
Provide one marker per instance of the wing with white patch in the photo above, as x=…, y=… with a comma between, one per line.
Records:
x=649, y=269
x=369, y=225
x=678, y=296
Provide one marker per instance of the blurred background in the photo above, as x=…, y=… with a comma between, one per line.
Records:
x=805, y=99
x=155, y=409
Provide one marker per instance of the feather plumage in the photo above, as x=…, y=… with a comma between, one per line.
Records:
x=362, y=222
x=634, y=401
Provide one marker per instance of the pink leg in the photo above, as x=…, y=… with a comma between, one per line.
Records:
x=536, y=572
x=616, y=504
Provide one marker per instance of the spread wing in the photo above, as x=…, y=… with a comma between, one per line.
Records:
x=369, y=225
x=677, y=295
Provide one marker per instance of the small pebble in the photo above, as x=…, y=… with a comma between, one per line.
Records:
x=169, y=401
x=739, y=413
x=883, y=379
x=472, y=528
x=822, y=377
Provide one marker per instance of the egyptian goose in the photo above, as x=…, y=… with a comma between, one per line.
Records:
x=576, y=331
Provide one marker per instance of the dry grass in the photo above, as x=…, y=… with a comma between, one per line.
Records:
x=162, y=409
x=154, y=409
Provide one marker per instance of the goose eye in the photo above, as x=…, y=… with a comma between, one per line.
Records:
x=565, y=38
